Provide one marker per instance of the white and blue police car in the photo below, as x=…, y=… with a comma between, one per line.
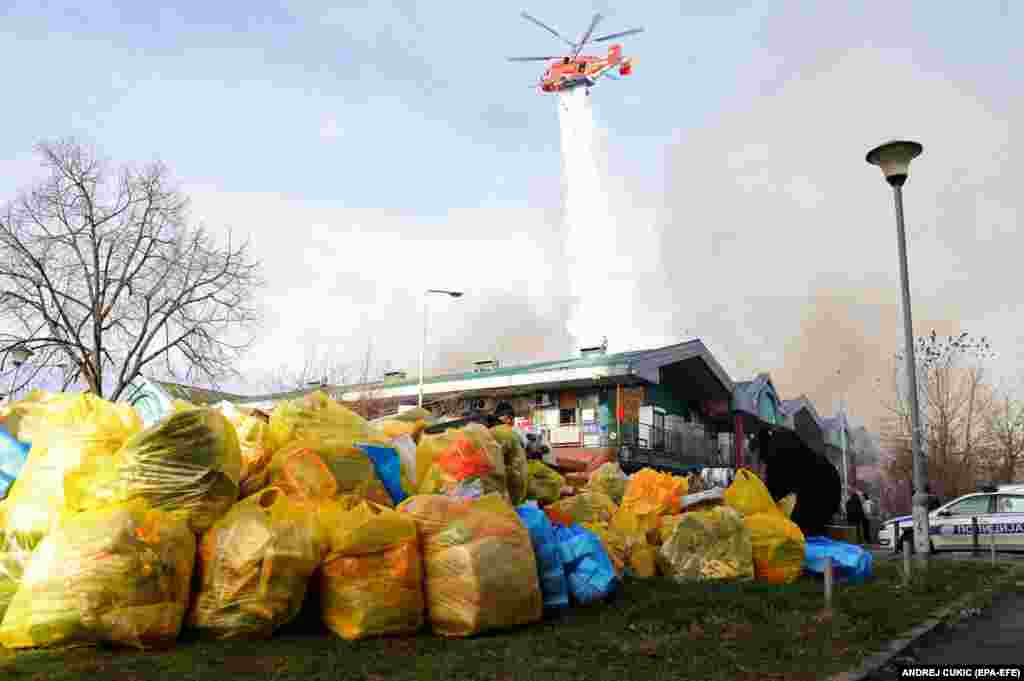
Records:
x=999, y=512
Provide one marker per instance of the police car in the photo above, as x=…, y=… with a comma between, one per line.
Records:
x=1000, y=512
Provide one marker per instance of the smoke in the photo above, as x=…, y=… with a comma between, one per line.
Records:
x=606, y=241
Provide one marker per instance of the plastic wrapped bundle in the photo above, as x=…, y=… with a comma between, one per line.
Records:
x=550, y=570
x=315, y=416
x=544, y=484
x=786, y=505
x=586, y=507
x=642, y=560
x=411, y=422
x=610, y=480
x=778, y=547
x=118, y=574
x=464, y=462
x=667, y=526
x=588, y=569
x=648, y=490
x=255, y=447
x=514, y=457
x=254, y=565
x=853, y=563
x=83, y=429
x=187, y=463
x=614, y=544
x=387, y=464
x=13, y=454
x=30, y=418
x=481, y=573
x=320, y=470
x=708, y=545
x=371, y=582
x=749, y=495
x=15, y=552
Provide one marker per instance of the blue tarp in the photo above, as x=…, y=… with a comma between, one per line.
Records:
x=389, y=468
x=587, y=566
x=13, y=454
x=850, y=563
x=553, y=583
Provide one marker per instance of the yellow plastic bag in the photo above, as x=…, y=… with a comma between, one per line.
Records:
x=778, y=547
x=255, y=447
x=324, y=469
x=315, y=416
x=15, y=552
x=516, y=471
x=748, y=495
x=188, y=464
x=586, y=507
x=480, y=569
x=786, y=505
x=642, y=559
x=118, y=574
x=254, y=565
x=667, y=526
x=544, y=483
x=610, y=480
x=73, y=431
x=464, y=461
x=708, y=545
x=648, y=490
x=371, y=582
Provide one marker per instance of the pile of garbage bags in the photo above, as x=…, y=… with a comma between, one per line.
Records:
x=222, y=520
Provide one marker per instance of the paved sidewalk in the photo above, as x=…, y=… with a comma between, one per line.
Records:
x=994, y=638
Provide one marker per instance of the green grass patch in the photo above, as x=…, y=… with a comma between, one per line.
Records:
x=656, y=629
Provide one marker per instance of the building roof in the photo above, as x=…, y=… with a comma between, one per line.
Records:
x=791, y=407
x=642, y=363
x=747, y=395
x=196, y=395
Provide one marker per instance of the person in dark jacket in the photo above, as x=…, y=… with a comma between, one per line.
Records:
x=855, y=516
x=933, y=501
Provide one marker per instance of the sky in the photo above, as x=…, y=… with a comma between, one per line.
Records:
x=373, y=150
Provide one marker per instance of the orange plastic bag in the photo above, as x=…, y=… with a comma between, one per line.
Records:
x=461, y=462
x=649, y=490
x=319, y=470
x=778, y=547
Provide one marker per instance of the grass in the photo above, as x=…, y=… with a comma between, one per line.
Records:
x=656, y=629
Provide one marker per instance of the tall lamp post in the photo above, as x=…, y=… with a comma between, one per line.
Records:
x=423, y=346
x=894, y=159
x=18, y=356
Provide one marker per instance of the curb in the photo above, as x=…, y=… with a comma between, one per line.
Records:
x=875, y=662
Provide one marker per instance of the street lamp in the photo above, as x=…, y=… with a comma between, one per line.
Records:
x=18, y=356
x=894, y=159
x=423, y=346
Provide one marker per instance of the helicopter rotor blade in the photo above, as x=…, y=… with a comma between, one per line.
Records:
x=547, y=28
x=586, y=36
x=620, y=34
x=531, y=58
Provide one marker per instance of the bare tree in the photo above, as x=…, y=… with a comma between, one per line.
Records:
x=1005, y=429
x=102, y=272
x=956, y=401
x=318, y=367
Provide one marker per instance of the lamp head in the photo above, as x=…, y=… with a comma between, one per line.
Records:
x=20, y=355
x=894, y=159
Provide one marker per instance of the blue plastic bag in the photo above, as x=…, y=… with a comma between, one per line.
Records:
x=850, y=563
x=553, y=583
x=389, y=468
x=13, y=454
x=588, y=568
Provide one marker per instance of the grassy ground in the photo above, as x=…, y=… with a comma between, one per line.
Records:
x=656, y=629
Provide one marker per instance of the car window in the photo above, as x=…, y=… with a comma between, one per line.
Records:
x=978, y=505
x=1010, y=504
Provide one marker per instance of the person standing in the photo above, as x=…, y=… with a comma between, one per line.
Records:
x=855, y=515
x=869, y=514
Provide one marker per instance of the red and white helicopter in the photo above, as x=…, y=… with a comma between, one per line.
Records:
x=567, y=72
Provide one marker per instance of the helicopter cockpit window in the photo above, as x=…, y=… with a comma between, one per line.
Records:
x=565, y=60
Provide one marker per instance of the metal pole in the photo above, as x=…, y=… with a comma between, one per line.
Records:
x=992, y=541
x=828, y=583
x=976, y=546
x=921, y=535
x=423, y=349
x=846, y=463
x=906, y=562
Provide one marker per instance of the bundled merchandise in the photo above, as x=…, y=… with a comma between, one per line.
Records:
x=188, y=464
x=254, y=442
x=481, y=573
x=253, y=567
x=550, y=569
x=708, y=545
x=589, y=571
x=544, y=484
x=586, y=507
x=461, y=462
x=778, y=544
x=608, y=479
x=853, y=564
x=118, y=574
x=74, y=432
x=315, y=470
x=613, y=542
x=371, y=582
x=514, y=456
x=15, y=553
x=649, y=496
x=316, y=416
